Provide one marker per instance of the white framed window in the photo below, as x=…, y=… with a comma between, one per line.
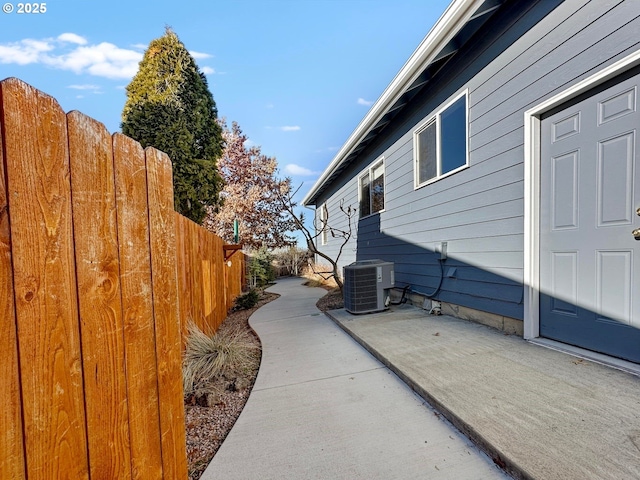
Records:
x=371, y=186
x=441, y=143
x=324, y=217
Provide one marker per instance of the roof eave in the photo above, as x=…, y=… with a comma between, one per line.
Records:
x=448, y=25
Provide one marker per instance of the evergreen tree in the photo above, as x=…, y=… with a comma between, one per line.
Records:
x=170, y=107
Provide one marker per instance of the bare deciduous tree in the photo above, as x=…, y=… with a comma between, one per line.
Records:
x=321, y=223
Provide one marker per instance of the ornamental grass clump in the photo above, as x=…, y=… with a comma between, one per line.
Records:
x=213, y=364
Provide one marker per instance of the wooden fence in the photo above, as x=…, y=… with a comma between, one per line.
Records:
x=209, y=282
x=93, y=260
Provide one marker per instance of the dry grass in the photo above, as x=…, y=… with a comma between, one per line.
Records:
x=210, y=362
x=317, y=280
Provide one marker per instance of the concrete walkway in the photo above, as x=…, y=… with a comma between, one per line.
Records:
x=546, y=414
x=324, y=408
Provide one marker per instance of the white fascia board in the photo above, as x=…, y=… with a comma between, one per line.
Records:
x=457, y=14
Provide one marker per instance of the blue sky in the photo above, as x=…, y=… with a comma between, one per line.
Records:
x=297, y=75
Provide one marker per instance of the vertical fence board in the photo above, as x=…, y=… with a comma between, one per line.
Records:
x=193, y=276
x=196, y=265
x=209, y=281
x=11, y=445
x=99, y=301
x=217, y=258
x=221, y=283
x=37, y=162
x=165, y=296
x=184, y=292
x=137, y=304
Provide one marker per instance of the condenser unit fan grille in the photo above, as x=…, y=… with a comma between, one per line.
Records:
x=366, y=285
x=360, y=290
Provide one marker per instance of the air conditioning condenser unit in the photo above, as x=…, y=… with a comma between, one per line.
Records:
x=366, y=286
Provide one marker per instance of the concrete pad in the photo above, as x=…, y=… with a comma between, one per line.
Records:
x=324, y=408
x=546, y=414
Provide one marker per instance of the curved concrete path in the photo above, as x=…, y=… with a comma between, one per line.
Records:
x=324, y=408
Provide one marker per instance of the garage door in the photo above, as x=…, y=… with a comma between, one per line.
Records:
x=589, y=207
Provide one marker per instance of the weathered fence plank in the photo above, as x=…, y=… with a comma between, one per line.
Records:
x=196, y=266
x=37, y=162
x=208, y=282
x=220, y=281
x=184, y=273
x=99, y=301
x=165, y=295
x=11, y=445
x=137, y=303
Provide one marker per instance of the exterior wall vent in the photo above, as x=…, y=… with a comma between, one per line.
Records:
x=366, y=286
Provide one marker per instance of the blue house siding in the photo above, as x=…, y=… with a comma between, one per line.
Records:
x=526, y=55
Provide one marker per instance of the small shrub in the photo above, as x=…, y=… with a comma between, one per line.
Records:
x=227, y=355
x=247, y=300
x=261, y=270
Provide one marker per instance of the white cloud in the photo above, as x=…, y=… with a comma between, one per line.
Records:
x=293, y=128
x=93, y=88
x=199, y=55
x=208, y=70
x=72, y=38
x=269, y=105
x=366, y=103
x=293, y=169
x=101, y=60
x=24, y=52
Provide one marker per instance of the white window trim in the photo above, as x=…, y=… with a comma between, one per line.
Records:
x=434, y=118
x=369, y=170
x=532, y=139
x=324, y=216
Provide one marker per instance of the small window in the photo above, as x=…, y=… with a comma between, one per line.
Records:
x=441, y=143
x=324, y=217
x=372, y=190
